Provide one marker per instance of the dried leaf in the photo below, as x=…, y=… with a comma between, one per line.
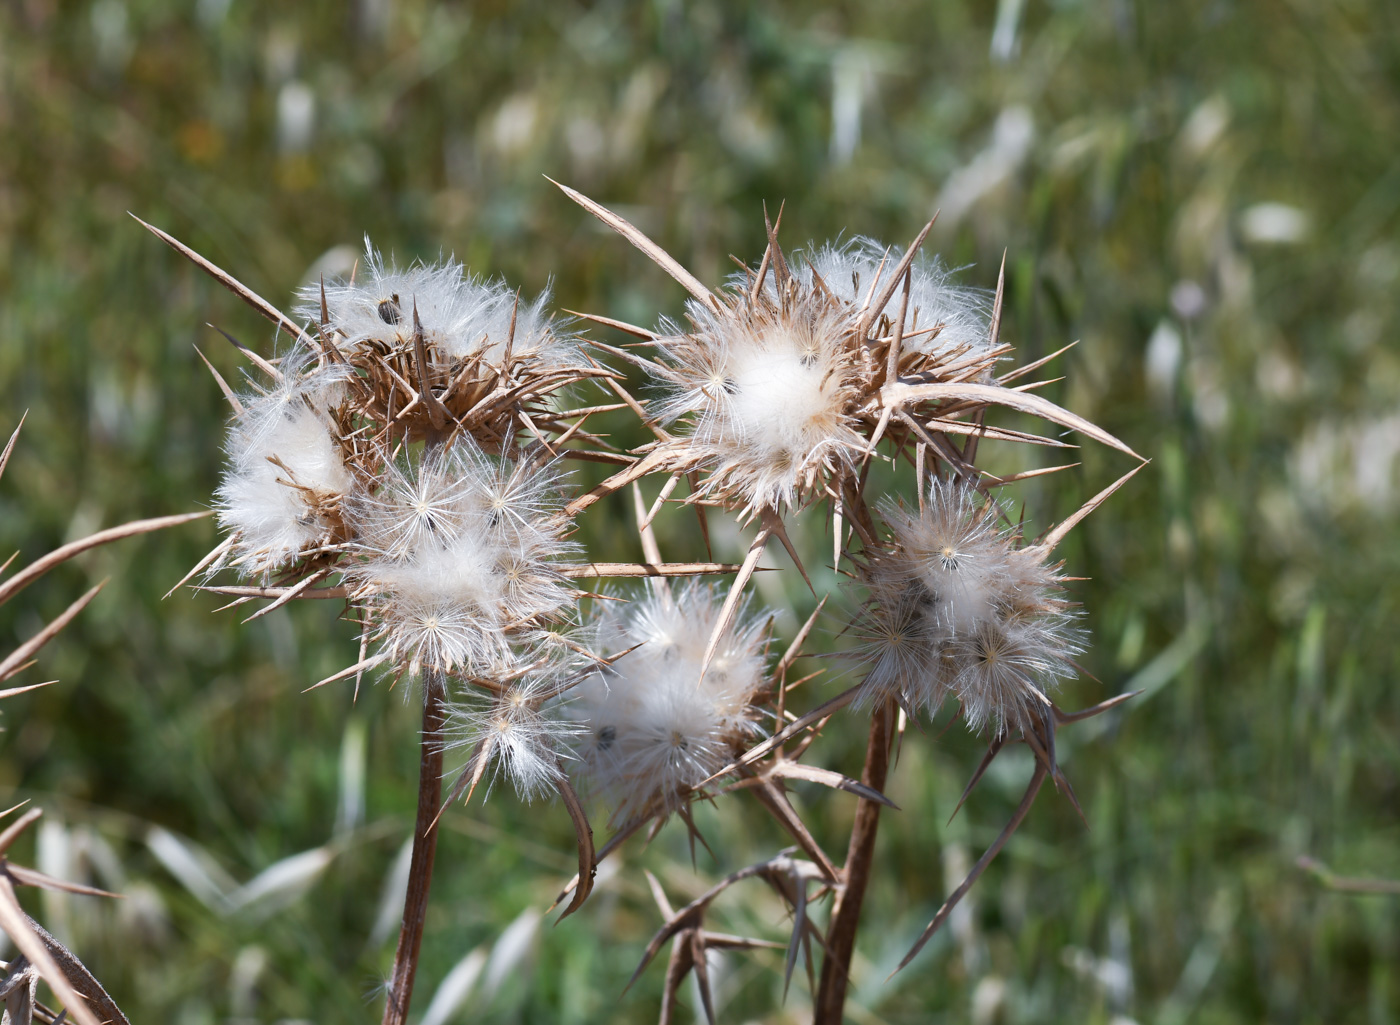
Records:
x=226, y=279
x=991, y=852
x=22, y=933
x=20, y=656
x=587, y=863
x=1055, y=536
x=10, y=445
x=788, y=769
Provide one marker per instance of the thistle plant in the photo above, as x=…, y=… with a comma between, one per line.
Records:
x=408, y=453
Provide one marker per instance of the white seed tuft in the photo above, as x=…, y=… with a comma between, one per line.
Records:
x=453, y=578
x=286, y=472
x=851, y=269
x=462, y=316
x=652, y=729
x=957, y=609
x=766, y=391
x=526, y=745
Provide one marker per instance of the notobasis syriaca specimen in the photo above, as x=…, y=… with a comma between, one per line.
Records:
x=412, y=453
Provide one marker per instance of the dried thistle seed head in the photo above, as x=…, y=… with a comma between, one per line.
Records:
x=1006, y=667
x=778, y=381
x=463, y=317
x=957, y=609
x=861, y=267
x=954, y=552
x=450, y=580
x=286, y=476
x=435, y=350
x=651, y=727
x=766, y=386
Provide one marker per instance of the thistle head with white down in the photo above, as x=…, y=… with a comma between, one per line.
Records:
x=654, y=722
x=959, y=609
x=288, y=474
x=777, y=380
x=437, y=350
x=393, y=450
x=456, y=559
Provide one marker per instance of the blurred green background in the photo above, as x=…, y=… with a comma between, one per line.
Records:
x=1205, y=194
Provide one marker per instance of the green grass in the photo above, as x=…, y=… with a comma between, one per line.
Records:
x=1247, y=576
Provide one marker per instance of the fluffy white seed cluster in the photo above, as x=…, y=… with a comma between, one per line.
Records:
x=516, y=729
x=286, y=476
x=766, y=392
x=957, y=609
x=853, y=269
x=457, y=551
x=651, y=728
x=463, y=317
x=776, y=385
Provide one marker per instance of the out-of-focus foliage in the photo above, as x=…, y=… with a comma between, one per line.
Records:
x=1205, y=194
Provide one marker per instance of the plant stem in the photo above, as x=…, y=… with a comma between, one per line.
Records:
x=860, y=856
x=420, y=872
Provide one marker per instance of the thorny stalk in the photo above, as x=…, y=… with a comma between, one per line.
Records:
x=425, y=838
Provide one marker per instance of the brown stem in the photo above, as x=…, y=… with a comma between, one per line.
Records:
x=420, y=872
x=860, y=856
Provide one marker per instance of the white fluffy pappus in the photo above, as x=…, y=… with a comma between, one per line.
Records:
x=851, y=269
x=525, y=743
x=958, y=609
x=449, y=577
x=766, y=391
x=651, y=728
x=462, y=316
x=286, y=475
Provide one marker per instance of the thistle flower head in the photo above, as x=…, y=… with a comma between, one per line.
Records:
x=432, y=346
x=766, y=388
x=957, y=608
x=652, y=727
x=286, y=473
x=451, y=578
